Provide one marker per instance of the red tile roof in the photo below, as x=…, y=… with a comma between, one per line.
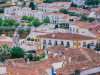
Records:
x=4, y=42
x=15, y=16
x=3, y=37
x=82, y=24
x=66, y=17
x=98, y=12
x=20, y=70
x=97, y=27
x=72, y=8
x=96, y=8
x=66, y=36
x=54, y=13
x=95, y=32
x=57, y=7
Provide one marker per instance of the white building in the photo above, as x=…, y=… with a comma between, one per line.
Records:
x=14, y=17
x=11, y=10
x=97, y=14
x=78, y=2
x=70, y=40
x=47, y=7
x=95, y=9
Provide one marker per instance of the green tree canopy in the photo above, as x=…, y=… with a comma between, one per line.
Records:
x=17, y=52
x=23, y=25
x=73, y=5
x=29, y=56
x=30, y=18
x=1, y=21
x=11, y=22
x=92, y=2
x=46, y=20
x=36, y=22
x=32, y=5
x=29, y=24
x=5, y=24
x=63, y=11
x=20, y=31
x=25, y=18
x=5, y=52
x=17, y=24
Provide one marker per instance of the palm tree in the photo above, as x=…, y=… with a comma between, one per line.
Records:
x=5, y=52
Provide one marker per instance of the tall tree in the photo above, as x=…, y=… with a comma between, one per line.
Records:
x=11, y=22
x=32, y=5
x=92, y=2
x=36, y=22
x=5, y=52
x=63, y=11
x=25, y=18
x=17, y=52
x=46, y=20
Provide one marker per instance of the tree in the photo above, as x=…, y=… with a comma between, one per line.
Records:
x=23, y=25
x=25, y=18
x=12, y=29
x=17, y=52
x=5, y=52
x=73, y=5
x=11, y=22
x=29, y=56
x=0, y=30
x=29, y=24
x=30, y=18
x=2, y=10
x=32, y=6
x=28, y=38
x=36, y=22
x=92, y=2
x=1, y=21
x=36, y=58
x=20, y=31
x=71, y=20
x=28, y=30
x=63, y=11
x=24, y=3
x=5, y=24
x=46, y=20
x=32, y=39
x=17, y=24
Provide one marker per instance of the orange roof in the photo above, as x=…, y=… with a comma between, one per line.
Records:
x=2, y=14
x=3, y=37
x=95, y=32
x=54, y=13
x=97, y=27
x=98, y=12
x=15, y=16
x=72, y=8
x=66, y=17
x=20, y=70
x=96, y=8
x=66, y=36
x=82, y=24
x=61, y=2
x=57, y=7
x=4, y=42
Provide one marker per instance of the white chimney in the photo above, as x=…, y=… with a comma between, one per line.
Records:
x=69, y=58
x=53, y=35
x=28, y=62
x=46, y=56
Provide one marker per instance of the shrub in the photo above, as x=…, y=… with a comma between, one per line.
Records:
x=9, y=35
x=28, y=38
x=36, y=58
x=32, y=39
x=29, y=56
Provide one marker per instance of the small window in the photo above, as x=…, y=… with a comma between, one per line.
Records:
x=74, y=43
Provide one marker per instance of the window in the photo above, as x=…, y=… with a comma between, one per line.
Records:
x=74, y=43
x=38, y=40
x=79, y=43
x=49, y=42
x=77, y=31
x=84, y=44
x=55, y=43
x=62, y=43
x=96, y=15
x=74, y=30
x=44, y=42
x=68, y=44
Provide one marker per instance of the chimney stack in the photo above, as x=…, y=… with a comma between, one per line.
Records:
x=53, y=35
x=69, y=58
x=28, y=62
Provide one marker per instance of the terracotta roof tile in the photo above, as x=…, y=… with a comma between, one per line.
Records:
x=97, y=27
x=96, y=8
x=66, y=36
x=95, y=32
x=82, y=24
x=3, y=37
x=4, y=42
x=98, y=12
